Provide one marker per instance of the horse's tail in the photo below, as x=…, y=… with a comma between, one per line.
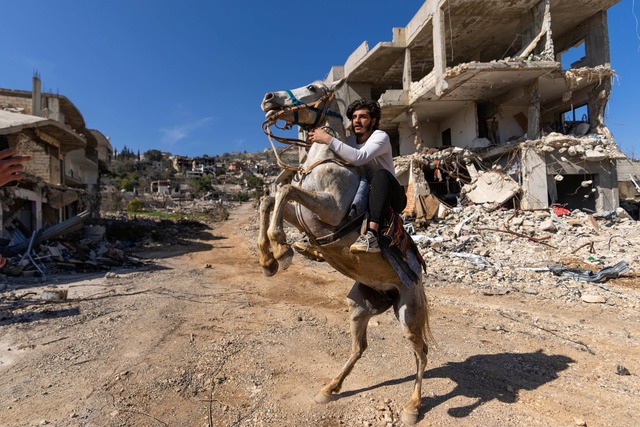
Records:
x=427, y=336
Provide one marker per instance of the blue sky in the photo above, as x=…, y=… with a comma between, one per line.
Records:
x=188, y=76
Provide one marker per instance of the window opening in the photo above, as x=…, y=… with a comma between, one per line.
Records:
x=572, y=57
x=576, y=121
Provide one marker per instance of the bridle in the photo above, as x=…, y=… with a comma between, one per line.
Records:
x=320, y=107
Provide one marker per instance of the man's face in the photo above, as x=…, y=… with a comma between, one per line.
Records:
x=362, y=122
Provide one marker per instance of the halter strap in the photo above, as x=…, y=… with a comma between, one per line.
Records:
x=320, y=113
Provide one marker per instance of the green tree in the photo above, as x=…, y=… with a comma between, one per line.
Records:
x=153, y=155
x=200, y=185
x=128, y=183
x=123, y=167
x=242, y=196
x=255, y=182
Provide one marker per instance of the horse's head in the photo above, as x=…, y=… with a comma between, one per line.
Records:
x=305, y=106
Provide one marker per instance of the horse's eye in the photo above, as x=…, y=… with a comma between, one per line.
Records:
x=312, y=88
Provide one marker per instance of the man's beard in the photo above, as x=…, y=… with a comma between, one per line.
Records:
x=363, y=129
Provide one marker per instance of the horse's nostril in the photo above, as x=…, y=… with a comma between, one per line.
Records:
x=268, y=96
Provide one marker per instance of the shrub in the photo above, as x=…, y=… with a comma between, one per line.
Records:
x=135, y=205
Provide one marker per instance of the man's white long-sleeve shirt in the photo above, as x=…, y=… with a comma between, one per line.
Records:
x=374, y=154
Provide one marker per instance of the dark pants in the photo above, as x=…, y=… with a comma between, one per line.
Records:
x=385, y=191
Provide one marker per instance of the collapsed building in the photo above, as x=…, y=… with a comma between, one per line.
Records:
x=62, y=179
x=476, y=95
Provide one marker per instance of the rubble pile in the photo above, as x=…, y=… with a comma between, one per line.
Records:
x=552, y=252
x=592, y=147
x=148, y=232
x=99, y=245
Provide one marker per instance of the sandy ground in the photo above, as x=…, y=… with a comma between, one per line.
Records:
x=199, y=337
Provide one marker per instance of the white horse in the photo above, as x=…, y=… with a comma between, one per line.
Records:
x=322, y=200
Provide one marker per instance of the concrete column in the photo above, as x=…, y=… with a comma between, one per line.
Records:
x=406, y=71
x=538, y=27
x=414, y=125
x=546, y=26
x=533, y=114
x=534, y=180
x=439, y=50
x=597, y=41
x=596, y=105
x=36, y=97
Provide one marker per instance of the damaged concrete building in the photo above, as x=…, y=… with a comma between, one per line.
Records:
x=62, y=178
x=477, y=93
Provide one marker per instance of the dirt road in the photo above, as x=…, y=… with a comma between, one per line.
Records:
x=201, y=338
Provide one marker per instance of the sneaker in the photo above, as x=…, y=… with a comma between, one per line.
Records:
x=367, y=242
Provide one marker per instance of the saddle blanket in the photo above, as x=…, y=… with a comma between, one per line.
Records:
x=399, y=249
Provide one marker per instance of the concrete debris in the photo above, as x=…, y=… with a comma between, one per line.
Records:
x=54, y=294
x=491, y=187
x=593, y=147
x=593, y=299
x=510, y=250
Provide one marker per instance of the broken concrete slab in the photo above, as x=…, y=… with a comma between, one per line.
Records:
x=491, y=187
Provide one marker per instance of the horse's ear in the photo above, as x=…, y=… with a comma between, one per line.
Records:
x=337, y=84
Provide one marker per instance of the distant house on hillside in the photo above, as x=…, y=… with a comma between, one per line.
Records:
x=235, y=167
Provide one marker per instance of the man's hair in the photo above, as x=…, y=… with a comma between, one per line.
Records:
x=363, y=104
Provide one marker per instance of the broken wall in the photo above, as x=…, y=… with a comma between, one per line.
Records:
x=462, y=125
x=45, y=162
x=628, y=171
x=512, y=123
x=12, y=102
x=551, y=178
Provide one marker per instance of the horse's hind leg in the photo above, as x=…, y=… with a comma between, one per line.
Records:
x=411, y=310
x=364, y=303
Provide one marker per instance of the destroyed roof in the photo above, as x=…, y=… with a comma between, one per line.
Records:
x=492, y=25
x=72, y=115
x=15, y=122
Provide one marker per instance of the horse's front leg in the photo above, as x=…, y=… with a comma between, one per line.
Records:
x=321, y=203
x=265, y=256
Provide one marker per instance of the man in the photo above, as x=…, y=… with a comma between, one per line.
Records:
x=370, y=149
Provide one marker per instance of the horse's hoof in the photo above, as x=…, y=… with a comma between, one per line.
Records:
x=285, y=259
x=323, y=398
x=270, y=269
x=408, y=418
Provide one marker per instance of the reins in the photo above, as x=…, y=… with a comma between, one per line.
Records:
x=321, y=113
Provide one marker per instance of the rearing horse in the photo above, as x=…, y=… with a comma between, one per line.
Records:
x=322, y=201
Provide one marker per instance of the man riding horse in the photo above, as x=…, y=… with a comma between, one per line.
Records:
x=370, y=149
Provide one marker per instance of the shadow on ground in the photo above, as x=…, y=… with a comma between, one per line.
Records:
x=486, y=377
